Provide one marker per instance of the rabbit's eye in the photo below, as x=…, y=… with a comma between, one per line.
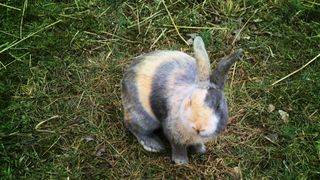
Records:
x=218, y=106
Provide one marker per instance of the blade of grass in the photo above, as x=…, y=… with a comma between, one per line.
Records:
x=37, y=127
x=125, y=160
x=9, y=34
x=161, y=34
x=15, y=59
x=116, y=36
x=238, y=34
x=55, y=142
x=28, y=36
x=313, y=3
x=4, y=66
x=232, y=77
x=25, y=5
x=294, y=72
x=173, y=23
x=145, y=20
x=197, y=27
x=10, y=7
x=76, y=3
x=101, y=14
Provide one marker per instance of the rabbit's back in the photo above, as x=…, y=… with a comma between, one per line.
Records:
x=157, y=76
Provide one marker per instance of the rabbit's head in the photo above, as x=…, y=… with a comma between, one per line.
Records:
x=205, y=110
x=203, y=113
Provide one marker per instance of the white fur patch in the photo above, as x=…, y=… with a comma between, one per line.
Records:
x=148, y=148
x=213, y=124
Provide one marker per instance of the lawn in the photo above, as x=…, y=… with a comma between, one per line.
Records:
x=61, y=64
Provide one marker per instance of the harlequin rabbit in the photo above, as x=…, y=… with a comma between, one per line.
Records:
x=178, y=93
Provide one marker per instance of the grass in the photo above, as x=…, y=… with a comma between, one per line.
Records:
x=62, y=63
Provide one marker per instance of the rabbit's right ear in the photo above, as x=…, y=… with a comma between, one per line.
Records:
x=202, y=59
x=220, y=73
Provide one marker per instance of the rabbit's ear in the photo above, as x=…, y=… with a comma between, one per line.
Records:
x=202, y=58
x=220, y=73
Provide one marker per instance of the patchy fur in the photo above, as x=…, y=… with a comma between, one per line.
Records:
x=145, y=72
x=172, y=90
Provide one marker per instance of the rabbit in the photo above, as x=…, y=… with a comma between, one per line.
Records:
x=178, y=93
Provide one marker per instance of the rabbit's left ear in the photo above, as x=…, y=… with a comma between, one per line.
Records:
x=202, y=58
x=220, y=73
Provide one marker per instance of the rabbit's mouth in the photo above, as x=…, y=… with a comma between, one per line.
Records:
x=207, y=135
x=204, y=136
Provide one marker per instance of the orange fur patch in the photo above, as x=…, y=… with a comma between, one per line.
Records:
x=201, y=113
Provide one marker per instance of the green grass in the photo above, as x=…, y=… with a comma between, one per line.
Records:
x=60, y=106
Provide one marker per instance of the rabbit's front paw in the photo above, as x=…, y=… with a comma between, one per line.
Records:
x=179, y=154
x=180, y=160
x=151, y=143
x=199, y=148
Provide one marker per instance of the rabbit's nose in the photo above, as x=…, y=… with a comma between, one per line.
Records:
x=197, y=130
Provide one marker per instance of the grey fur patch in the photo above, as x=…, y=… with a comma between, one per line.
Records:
x=216, y=101
x=158, y=98
x=189, y=74
x=219, y=75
